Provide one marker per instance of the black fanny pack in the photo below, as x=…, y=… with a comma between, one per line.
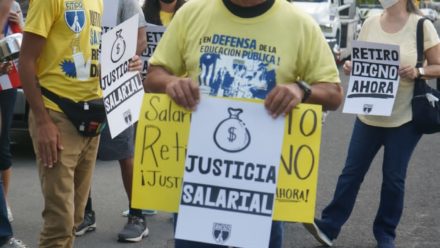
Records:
x=89, y=117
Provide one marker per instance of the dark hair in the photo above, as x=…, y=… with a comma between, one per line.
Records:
x=412, y=8
x=151, y=10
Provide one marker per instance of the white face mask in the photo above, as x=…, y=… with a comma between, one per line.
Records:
x=388, y=3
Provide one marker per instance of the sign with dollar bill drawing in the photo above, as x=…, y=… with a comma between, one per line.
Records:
x=230, y=174
x=161, y=147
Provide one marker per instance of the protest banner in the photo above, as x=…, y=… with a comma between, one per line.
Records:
x=160, y=151
x=161, y=144
x=374, y=79
x=230, y=174
x=154, y=34
x=122, y=89
x=298, y=177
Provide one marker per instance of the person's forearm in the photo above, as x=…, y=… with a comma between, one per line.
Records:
x=32, y=91
x=329, y=95
x=142, y=41
x=157, y=79
x=5, y=6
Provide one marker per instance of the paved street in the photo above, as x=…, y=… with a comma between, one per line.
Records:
x=419, y=228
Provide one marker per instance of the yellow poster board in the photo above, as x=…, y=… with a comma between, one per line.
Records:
x=159, y=156
x=160, y=150
x=298, y=173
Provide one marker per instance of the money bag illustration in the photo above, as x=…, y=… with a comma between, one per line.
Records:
x=118, y=48
x=231, y=134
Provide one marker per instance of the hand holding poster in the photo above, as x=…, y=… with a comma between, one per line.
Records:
x=122, y=89
x=374, y=79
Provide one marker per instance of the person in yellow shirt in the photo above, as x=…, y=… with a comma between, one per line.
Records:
x=59, y=67
x=261, y=49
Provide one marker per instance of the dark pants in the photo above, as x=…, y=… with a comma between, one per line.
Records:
x=398, y=143
x=5, y=226
x=276, y=238
x=7, y=103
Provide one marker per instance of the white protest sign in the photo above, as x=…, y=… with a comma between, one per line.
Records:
x=230, y=174
x=154, y=34
x=374, y=79
x=122, y=89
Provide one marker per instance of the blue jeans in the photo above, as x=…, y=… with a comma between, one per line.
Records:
x=7, y=103
x=398, y=143
x=5, y=226
x=276, y=238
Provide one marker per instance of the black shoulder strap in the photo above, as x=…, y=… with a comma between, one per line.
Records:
x=419, y=33
x=49, y=94
x=420, y=40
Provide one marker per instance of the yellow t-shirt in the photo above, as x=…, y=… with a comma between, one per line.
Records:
x=244, y=57
x=68, y=64
x=165, y=17
x=406, y=39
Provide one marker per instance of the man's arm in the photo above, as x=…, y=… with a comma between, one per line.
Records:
x=142, y=40
x=329, y=95
x=48, y=136
x=5, y=6
x=184, y=91
x=284, y=97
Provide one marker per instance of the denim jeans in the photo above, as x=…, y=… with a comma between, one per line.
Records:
x=7, y=103
x=398, y=143
x=276, y=238
x=5, y=226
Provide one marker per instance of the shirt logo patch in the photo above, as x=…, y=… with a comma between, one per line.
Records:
x=75, y=19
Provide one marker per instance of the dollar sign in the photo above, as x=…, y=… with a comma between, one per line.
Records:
x=118, y=48
x=232, y=135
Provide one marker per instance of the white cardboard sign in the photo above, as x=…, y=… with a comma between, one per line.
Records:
x=154, y=34
x=230, y=175
x=374, y=79
x=122, y=89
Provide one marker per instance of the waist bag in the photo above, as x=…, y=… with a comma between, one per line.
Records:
x=88, y=117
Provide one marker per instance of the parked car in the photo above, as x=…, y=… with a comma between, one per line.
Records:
x=339, y=21
x=19, y=125
x=430, y=14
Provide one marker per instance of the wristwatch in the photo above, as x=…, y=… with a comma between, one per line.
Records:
x=305, y=87
x=421, y=71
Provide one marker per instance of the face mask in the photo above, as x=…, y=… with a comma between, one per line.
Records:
x=388, y=3
x=167, y=1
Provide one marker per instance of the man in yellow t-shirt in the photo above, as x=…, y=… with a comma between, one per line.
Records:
x=60, y=53
x=263, y=49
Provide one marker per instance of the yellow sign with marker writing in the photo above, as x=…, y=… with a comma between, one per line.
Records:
x=298, y=172
x=160, y=151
